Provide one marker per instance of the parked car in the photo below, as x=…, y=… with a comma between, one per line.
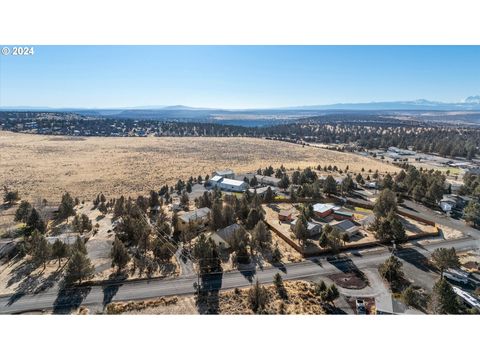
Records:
x=361, y=309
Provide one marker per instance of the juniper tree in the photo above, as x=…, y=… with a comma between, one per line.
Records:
x=59, y=251
x=119, y=255
x=79, y=268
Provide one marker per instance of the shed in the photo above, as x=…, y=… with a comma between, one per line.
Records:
x=346, y=226
x=285, y=215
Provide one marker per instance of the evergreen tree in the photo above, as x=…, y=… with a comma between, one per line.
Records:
x=35, y=222
x=67, y=207
x=119, y=255
x=472, y=213
x=254, y=216
x=445, y=258
x=79, y=268
x=330, y=185
x=385, y=203
x=59, y=251
x=257, y=297
x=268, y=195
x=42, y=252
x=391, y=269
x=23, y=211
x=261, y=236
x=444, y=299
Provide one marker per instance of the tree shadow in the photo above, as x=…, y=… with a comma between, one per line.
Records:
x=207, y=299
x=49, y=282
x=407, y=207
x=316, y=261
x=347, y=266
x=343, y=264
x=21, y=272
x=415, y=258
x=281, y=266
x=70, y=298
x=109, y=291
x=248, y=273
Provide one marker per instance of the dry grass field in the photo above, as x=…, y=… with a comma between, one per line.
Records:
x=301, y=300
x=46, y=166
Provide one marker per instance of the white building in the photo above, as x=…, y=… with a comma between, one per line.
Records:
x=228, y=184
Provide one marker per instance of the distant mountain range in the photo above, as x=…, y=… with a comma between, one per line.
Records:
x=471, y=103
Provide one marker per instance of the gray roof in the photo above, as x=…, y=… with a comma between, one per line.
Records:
x=345, y=225
x=261, y=190
x=310, y=225
x=227, y=232
x=267, y=179
x=224, y=172
x=195, y=215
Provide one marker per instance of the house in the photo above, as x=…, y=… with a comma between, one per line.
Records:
x=323, y=210
x=312, y=228
x=223, y=237
x=227, y=173
x=347, y=226
x=262, y=191
x=228, y=184
x=268, y=180
x=197, y=218
x=285, y=215
x=342, y=215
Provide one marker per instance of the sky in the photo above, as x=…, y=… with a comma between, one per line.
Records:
x=236, y=76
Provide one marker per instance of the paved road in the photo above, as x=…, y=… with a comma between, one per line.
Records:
x=101, y=295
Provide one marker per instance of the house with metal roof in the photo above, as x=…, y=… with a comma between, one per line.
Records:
x=347, y=226
x=228, y=184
